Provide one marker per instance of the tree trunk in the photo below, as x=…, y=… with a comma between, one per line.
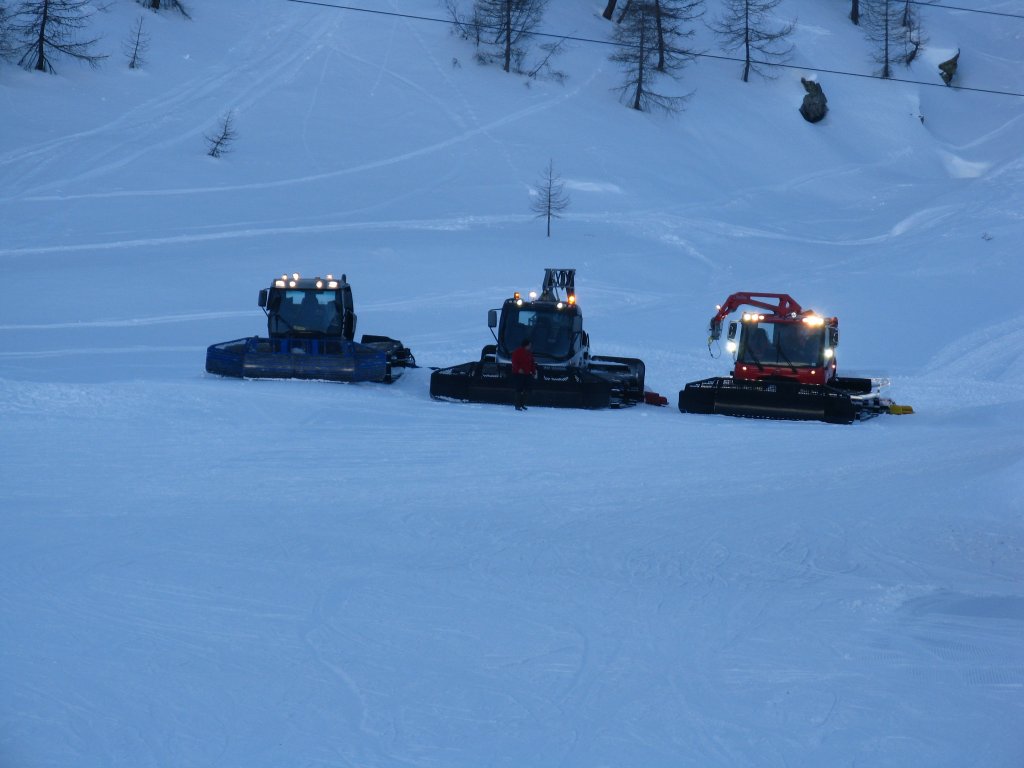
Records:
x=855, y=11
x=508, y=35
x=886, y=71
x=661, y=36
x=746, y=41
x=625, y=10
x=637, y=102
x=41, y=42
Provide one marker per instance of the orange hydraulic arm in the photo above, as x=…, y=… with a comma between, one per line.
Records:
x=784, y=305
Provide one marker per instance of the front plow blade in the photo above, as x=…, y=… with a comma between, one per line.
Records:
x=901, y=410
x=259, y=358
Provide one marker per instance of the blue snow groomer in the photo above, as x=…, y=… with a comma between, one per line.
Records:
x=311, y=325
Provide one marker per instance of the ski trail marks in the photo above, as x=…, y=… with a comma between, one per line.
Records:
x=124, y=323
x=247, y=81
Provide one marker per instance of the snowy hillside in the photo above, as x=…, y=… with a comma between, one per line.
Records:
x=202, y=571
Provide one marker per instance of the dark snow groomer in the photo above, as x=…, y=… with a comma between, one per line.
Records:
x=568, y=376
x=311, y=324
x=785, y=367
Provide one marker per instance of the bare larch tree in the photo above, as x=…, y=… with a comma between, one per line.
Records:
x=47, y=29
x=672, y=20
x=136, y=45
x=637, y=50
x=894, y=30
x=501, y=29
x=550, y=198
x=220, y=142
x=5, y=35
x=170, y=5
x=915, y=38
x=747, y=26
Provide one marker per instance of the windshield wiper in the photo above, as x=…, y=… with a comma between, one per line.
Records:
x=750, y=353
x=778, y=348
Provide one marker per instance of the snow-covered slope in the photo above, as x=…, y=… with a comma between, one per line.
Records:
x=200, y=571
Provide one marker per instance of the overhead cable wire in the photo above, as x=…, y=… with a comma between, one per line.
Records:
x=693, y=54
x=944, y=7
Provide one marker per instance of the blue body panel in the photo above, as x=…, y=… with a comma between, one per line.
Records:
x=295, y=358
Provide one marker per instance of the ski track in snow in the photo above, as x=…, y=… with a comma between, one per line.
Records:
x=247, y=83
x=260, y=232
x=447, y=144
x=128, y=322
x=994, y=353
x=269, y=573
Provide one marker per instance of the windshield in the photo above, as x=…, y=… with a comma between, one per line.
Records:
x=309, y=311
x=549, y=329
x=782, y=344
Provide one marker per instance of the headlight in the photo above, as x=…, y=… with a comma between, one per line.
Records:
x=731, y=346
x=829, y=352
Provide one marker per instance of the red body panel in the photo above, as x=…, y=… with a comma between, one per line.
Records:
x=820, y=375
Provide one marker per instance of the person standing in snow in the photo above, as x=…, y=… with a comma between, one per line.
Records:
x=524, y=368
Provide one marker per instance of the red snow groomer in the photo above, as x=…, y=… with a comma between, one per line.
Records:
x=785, y=367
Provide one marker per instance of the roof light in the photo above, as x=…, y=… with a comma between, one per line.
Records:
x=291, y=284
x=284, y=277
x=330, y=277
x=815, y=321
x=559, y=305
x=279, y=283
x=516, y=295
x=332, y=284
x=319, y=283
x=295, y=275
x=572, y=299
x=519, y=302
x=533, y=295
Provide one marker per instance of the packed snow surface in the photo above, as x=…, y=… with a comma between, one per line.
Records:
x=209, y=572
